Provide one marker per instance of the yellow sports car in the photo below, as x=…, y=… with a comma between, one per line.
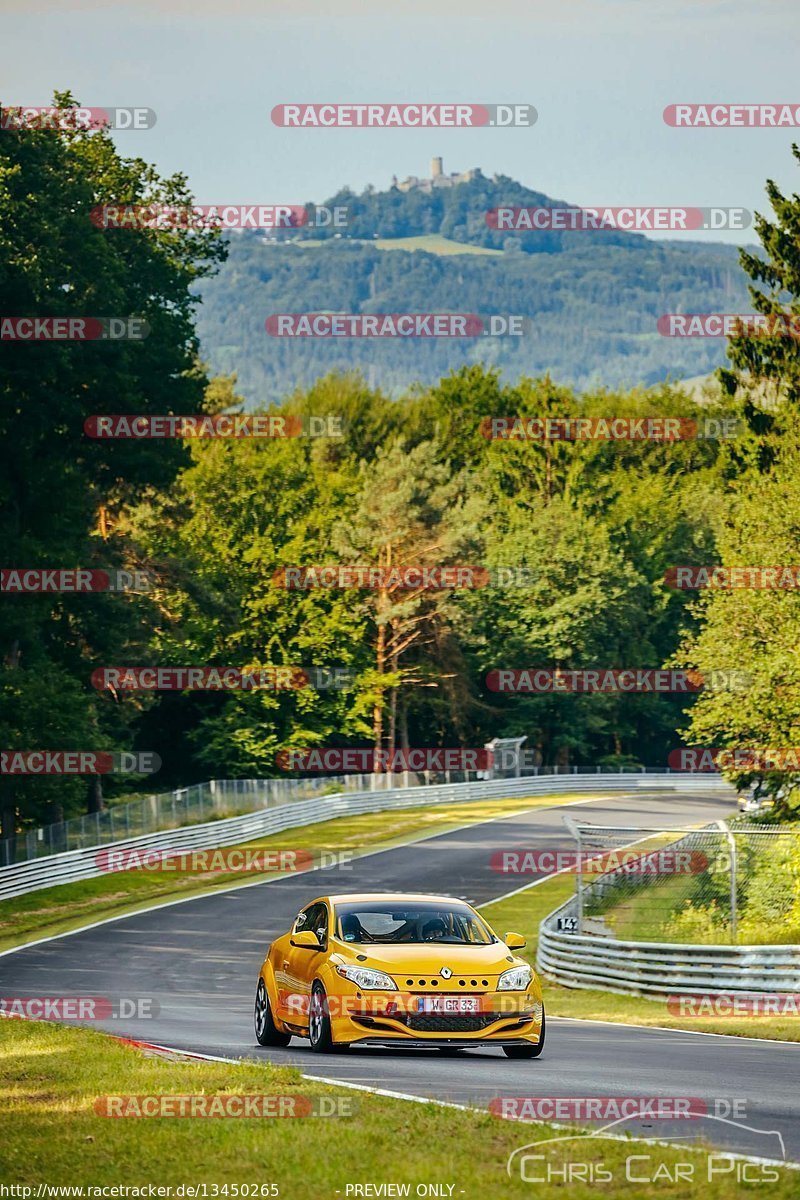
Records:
x=384, y=970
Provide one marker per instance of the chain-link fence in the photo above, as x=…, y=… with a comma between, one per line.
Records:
x=231, y=797
x=194, y=805
x=728, y=882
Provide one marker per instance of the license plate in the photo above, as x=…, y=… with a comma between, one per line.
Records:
x=448, y=1004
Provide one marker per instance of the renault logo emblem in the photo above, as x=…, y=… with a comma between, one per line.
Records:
x=445, y=972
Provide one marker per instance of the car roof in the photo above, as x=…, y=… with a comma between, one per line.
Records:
x=400, y=897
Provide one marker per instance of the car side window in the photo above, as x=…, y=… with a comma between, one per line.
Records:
x=318, y=923
x=315, y=919
x=302, y=920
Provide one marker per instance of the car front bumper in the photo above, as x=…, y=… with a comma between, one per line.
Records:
x=503, y=1018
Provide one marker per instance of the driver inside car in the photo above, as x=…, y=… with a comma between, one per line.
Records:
x=434, y=929
x=352, y=929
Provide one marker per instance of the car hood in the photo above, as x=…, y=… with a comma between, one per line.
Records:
x=431, y=957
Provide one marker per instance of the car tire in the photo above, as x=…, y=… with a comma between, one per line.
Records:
x=267, y=1033
x=527, y=1049
x=320, y=1036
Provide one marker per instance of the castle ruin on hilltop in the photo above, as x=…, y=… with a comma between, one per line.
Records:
x=438, y=179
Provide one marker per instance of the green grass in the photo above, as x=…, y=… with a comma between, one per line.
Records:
x=696, y=908
x=432, y=243
x=68, y=906
x=642, y=916
x=522, y=914
x=51, y=1077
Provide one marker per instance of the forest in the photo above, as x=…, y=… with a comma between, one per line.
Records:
x=578, y=540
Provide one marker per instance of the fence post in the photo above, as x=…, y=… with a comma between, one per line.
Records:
x=576, y=833
x=732, y=847
x=734, y=914
x=579, y=883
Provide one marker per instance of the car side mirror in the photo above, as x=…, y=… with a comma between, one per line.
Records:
x=514, y=941
x=305, y=940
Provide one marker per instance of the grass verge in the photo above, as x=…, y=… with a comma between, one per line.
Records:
x=69, y=906
x=433, y=243
x=522, y=914
x=51, y=1078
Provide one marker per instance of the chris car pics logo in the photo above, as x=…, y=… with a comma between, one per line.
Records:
x=569, y=1160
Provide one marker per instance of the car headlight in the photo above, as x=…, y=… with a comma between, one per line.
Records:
x=515, y=980
x=369, y=980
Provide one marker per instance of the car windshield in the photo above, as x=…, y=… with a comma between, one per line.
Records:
x=420, y=921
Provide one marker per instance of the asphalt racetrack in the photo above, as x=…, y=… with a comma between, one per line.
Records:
x=199, y=959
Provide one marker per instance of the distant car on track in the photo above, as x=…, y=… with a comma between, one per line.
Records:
x=385, y=969
x=756, y=799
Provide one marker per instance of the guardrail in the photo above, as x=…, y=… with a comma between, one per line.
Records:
x=72, y=865
x=659, y=969
x=218, y=798
x=192, y=805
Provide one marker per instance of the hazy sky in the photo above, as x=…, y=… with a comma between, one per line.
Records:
x=599, y=72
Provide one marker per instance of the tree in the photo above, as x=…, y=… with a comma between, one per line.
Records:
x=754, y=631
x=409, y=513
x=771, y=361
x=63, y=495
x=240, y=514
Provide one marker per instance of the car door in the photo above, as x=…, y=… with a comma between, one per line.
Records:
x=301, y=964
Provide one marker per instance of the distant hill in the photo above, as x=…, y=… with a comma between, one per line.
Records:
x=593, y=298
